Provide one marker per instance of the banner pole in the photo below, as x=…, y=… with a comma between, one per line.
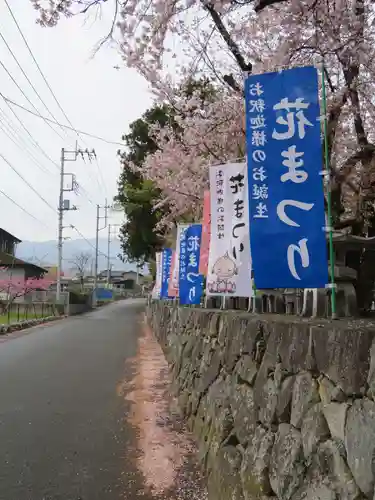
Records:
x=255, y=295
x=329, y=199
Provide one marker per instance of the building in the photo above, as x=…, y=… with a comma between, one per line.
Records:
x=113, y=275
x=10, y=265
x=8, y=242
x=127, y=280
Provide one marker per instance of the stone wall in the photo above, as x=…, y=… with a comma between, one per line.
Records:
x=281, y=407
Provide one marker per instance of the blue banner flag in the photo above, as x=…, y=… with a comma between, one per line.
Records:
x=191, y=282
x=287, y=219
x=165, y=272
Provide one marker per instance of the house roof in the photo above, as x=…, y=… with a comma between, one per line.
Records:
x=116, y=274
x=133, y=273
x=8, y=260
x=112, y=273
x=10, y=236
x=119, y=274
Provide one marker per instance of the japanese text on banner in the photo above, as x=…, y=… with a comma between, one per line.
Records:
x=287, y=217
x=229, y=268
x=174, y=286
x=166, y=269
x=172, y=289
x=157, y=287
x=191, y=281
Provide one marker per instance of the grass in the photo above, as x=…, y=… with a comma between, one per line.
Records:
x=23, y=314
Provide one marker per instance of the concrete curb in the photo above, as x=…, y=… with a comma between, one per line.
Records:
x=23, y=325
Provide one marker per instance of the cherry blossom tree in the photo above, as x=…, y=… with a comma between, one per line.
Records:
x=170, y=41
x=209, y=130
x=12, y=288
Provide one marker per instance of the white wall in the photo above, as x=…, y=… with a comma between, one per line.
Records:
x=15, y=273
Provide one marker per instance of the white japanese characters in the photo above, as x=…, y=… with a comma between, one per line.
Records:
x=292, y=162
x=284, y=154
x=303, y=252
x=291, y=203
x=183, y=250
x=193, y=244
x=192, y=279
x=191, y=282
x=258, y=125
x=291, y=118
x=293, y=122
x=176, y=268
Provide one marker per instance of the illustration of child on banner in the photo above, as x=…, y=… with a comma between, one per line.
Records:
x=229, y=265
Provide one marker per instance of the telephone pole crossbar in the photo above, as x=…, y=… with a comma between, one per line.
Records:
x=64, y=205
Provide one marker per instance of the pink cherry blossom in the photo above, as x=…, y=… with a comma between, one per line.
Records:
x=14, y=287
x=171, y=41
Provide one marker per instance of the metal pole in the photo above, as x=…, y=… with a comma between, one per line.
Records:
x=329, y=200
x=60, y=230
x=96, y=254
x=108, y=250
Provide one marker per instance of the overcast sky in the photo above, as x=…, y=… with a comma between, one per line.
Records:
x=97, y=99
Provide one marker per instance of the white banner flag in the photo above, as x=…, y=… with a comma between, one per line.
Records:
x=159, y=267
x=229, y=266
x=176, y=266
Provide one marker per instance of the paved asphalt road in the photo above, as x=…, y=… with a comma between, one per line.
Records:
x=63, y=432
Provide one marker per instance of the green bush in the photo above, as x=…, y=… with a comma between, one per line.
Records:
x=78, y=297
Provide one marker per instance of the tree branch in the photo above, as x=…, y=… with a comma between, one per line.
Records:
x=351, y=73
x=89, y=5
x=229, y=80
x=333, y=119
x=365, y=153
x=232, y=45
x=262, y=4
x=342, y=224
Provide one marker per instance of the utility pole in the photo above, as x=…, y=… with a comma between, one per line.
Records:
x=64, y=205
x=98, y=217
x=110, y=227
x=137, y=282
x=96, y=252
x=108, y=251
x=60, y=226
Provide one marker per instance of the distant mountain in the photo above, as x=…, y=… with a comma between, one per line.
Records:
x=45, y=253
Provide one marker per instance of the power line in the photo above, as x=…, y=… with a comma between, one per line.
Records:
x=27, y=99
x=8, y=134
x=7, y=123
x=8, y=128
x=104, y=187
x=27, y=78
x=36, y=64
x=36, y=144
x=87, y=241
x=48, y=85
x=10, y=101
x=85, y=194
x=27, y=183
x=24, y=209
